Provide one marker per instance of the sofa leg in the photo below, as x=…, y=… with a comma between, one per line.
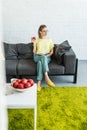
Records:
x=75, y=75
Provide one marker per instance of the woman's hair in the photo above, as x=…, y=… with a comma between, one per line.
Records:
x=40, y=29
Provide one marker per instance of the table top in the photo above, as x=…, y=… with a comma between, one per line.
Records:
x=26, y=99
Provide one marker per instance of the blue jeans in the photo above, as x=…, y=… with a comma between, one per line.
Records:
x=42, y=65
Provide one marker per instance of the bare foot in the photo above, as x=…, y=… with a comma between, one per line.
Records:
x=48, y=80
x=46, y=77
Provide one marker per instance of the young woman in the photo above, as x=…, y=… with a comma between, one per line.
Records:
x=43, y=49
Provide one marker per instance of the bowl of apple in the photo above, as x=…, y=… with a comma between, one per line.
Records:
x=21, y=85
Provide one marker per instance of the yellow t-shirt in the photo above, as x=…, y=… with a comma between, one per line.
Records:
x=43, y=46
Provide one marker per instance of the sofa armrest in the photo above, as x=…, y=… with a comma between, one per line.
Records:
x=69, y=61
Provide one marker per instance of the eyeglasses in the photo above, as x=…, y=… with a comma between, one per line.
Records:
x=44, y=31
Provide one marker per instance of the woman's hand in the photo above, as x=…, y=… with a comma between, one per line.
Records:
x=50, y=54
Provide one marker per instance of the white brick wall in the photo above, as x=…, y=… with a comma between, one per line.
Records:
x=66, y=19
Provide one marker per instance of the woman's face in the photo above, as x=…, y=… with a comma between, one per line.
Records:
x=44, y=32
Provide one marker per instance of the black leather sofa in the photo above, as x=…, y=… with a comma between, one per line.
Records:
x=19, y=62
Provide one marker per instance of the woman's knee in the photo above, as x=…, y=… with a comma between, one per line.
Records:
x=39, y=62
x=43, y=58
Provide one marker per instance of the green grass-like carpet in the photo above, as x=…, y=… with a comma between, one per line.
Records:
x=63, y=108
x=59, y=108
x=21, y=119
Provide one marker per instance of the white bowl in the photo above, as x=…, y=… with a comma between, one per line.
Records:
x=17, y=89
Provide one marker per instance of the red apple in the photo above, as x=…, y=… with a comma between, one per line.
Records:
x=27, y=85
x=15, y=84
x=24, y=81
x=18, y=80
x=33, y=38
x=21, y=86
x=31, y=81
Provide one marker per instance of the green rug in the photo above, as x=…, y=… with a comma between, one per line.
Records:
x=21, y=119
x=62, y=108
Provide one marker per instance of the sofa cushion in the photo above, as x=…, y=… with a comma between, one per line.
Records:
x=60, y=50
x=64, y=45
x=25, y=51
x=53, y=56
x=10, y=51
x=27, y=67
x=11, y=67
x=55, y=68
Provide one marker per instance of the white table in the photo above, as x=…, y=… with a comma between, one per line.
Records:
x=27, y=99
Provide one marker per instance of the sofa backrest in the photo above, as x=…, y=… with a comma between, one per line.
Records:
x=18, y=51
x=25, y=51
x=10, y=51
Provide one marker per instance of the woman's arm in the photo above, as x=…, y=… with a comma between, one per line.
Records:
x=50, y=54
x=34, y=48
x=34, y=45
